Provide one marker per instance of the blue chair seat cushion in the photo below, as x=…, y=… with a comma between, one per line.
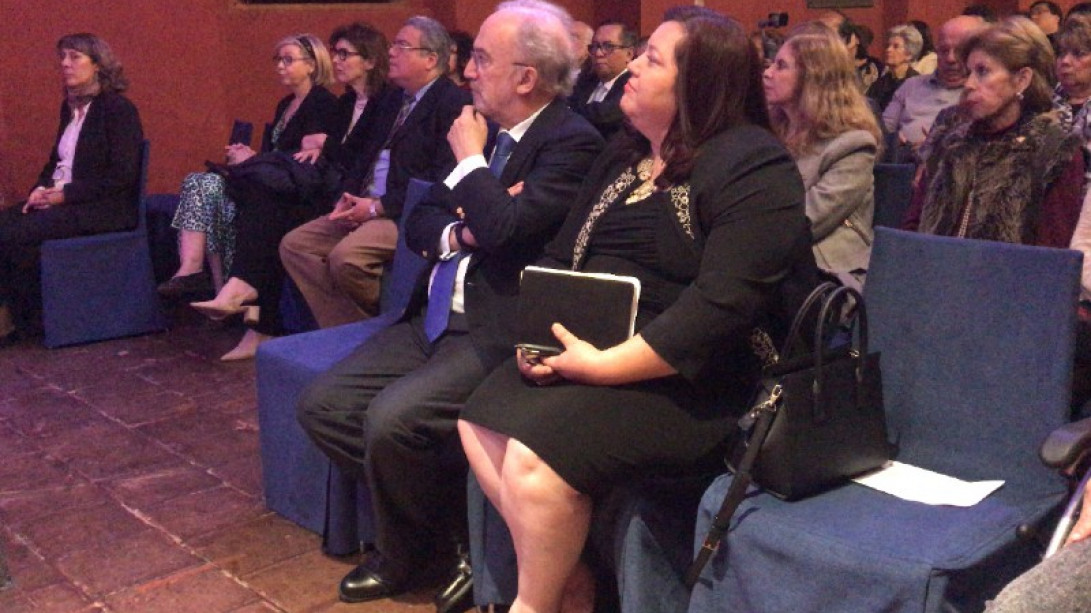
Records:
x=885, y=550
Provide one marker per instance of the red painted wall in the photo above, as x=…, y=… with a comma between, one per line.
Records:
x=198, y=64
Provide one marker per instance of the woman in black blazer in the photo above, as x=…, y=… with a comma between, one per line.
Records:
x=89, y=184
x=205, y=218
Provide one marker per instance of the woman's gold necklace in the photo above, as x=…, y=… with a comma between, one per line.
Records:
x=645, y=189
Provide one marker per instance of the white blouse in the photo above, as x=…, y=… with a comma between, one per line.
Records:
x=66, y=148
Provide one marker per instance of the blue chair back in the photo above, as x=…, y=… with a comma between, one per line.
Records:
x=975, y=337
x=406, y=267
x=893, y=189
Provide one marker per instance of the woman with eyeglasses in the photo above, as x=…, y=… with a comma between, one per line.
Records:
x=89, y=184
x=205, y=214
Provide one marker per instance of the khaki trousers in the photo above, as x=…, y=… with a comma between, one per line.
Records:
x=338, y=269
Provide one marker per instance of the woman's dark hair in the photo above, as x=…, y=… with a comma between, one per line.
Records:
x=981, y=10
x=1052, y=7
x=1080, y=8
x=1075, y=35
x=708, y=106
x=926, y=36
x=371, y=45
x=111, y=77
x=464, y=45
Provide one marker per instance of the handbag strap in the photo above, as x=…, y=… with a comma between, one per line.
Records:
x=764, y=414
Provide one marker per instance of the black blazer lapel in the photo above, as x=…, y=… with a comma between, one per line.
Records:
x=524, y=151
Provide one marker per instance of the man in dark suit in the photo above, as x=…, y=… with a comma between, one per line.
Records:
x=388, y=411
x=597, y=95
x=337, y=260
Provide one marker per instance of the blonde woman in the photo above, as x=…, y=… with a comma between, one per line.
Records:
x=817, y=110
x=205, y=215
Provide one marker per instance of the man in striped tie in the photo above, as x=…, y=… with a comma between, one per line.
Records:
x=388, y=411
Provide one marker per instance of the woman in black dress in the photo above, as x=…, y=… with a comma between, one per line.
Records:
x=705, y=206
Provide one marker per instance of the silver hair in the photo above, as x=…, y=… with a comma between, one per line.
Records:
x=914, y=42
x=433, y=37
x=544, y=43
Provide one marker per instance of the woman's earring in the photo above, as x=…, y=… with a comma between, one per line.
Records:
x=1019, y=95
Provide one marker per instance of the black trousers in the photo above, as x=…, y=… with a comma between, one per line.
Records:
x=21, y=238
x=388, y=413
x=263, y=217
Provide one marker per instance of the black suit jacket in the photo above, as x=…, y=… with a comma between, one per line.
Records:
x=551, y=160
x=106, y=166
x=419, y=149
x=352, y=160
x=606, y=115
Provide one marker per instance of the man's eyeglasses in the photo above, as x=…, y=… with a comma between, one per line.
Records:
x=605, y=48
x=287, y=60
x=399, y=46
x=483, y=61
x=343, y=54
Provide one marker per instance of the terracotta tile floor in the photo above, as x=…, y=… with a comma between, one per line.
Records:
x=130, y=481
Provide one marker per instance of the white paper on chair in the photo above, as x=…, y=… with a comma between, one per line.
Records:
x=920, y=485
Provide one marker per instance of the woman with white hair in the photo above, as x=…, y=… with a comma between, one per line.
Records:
x=903, y=47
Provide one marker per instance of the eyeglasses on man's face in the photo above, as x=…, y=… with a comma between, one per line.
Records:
x=483, y=60
x=399, y=46
x=605, y=48
x=343, y=54
x=287, y=60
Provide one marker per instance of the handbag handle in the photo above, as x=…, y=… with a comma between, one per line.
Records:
x=817, y=294
x=831, y=313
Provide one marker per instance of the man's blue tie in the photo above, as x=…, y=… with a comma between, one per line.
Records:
x=443, y=282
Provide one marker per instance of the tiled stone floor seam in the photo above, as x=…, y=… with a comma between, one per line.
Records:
x=74, y=582
x=209, y=563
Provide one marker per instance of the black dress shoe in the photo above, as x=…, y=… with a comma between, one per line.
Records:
x=199, y=284
x=366, y=582
x=458, y=593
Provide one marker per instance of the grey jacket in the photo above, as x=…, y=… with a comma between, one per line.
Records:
x=837, y=174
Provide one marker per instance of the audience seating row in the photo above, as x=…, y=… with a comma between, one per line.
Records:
x=970, y=389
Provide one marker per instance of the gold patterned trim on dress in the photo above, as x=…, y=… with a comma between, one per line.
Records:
x=609, y=195
x=679, y=195
x=762, y=346
x=645, y=189
x=680, y=199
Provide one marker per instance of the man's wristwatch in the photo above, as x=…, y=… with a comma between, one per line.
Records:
x=373, y=209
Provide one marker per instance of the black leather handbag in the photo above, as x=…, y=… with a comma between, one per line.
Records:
x=818, y=418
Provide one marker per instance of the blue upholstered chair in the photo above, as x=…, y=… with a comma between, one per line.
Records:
x=299, y=481
x=977, y=341
x=893, y=189
x=101, y=286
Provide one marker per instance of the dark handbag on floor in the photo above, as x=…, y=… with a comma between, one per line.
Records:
x=818, y=419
